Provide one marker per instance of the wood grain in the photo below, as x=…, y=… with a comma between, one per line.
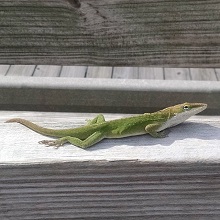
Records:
x=21, y=70
x=99, y=72
x=73, y=71
x=177, y=74
x=110, y=190
x=113, y=33
x=217, y=71
x=203, y=74
x=47, y=71
x=153, y=181
x=4, y=69
x=197, y=140
x=125, y=73
x=150, y=73
x=132, y=178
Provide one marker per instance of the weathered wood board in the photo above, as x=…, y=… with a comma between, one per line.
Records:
x=195, y=141
x=174, y=33
x=99, y=72
x=4, y=69
x=155, y=73
x=47, y=71
x=103, y=95
x=73, y=71
x=133, y=178
x=21, y=70
x=177, y=73
x=110, y=190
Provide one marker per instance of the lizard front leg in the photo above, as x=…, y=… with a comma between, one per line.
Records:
x=97, y=120
x=88, y=142
x=152, y=130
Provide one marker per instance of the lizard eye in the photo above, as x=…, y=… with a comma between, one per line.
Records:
x=186, y=107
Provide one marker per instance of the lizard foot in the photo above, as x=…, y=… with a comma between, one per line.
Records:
x=163, y=134
x=49, y=143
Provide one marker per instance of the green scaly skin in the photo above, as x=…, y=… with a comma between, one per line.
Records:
x=97, y=129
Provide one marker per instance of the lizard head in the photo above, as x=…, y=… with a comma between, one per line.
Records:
x=179, y=113
x=187, y=109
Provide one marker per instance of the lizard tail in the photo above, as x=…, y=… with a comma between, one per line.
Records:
x=34, y=127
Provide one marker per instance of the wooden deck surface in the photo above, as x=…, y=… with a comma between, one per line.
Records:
x=132, y=178
x=116, y=33
x=210, y=74
x=194, y=141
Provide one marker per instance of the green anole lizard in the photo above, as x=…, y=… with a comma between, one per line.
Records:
x=97, y=129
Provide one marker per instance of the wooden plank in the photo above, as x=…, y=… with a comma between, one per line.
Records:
x=115, y=33
x=177, y=73
x=110, y=190
x=217, y=71
x=125, y=73
x=150, y=73
x=73, y=71
x=203, y=74
x=4, y=69
x=132, y=178
x=103, y=95
x=99, y=72
x=21, y=70
x=47, y=70
x=189, y=142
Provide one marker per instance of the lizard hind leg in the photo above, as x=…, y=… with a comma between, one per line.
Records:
x=88, y=142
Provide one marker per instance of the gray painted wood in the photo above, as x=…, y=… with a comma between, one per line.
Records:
x=203, y=74
x=197, y=140
x=21, y=70
x=4, y=69
x=217, y=71
x=99, y=72
x=103, y=95
x=111, y=33
x=133, y=178
x=73, y=71
x=125, y=73
x=177, y=73
x=108, y=72
x=150, y=73
x=47, y=71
